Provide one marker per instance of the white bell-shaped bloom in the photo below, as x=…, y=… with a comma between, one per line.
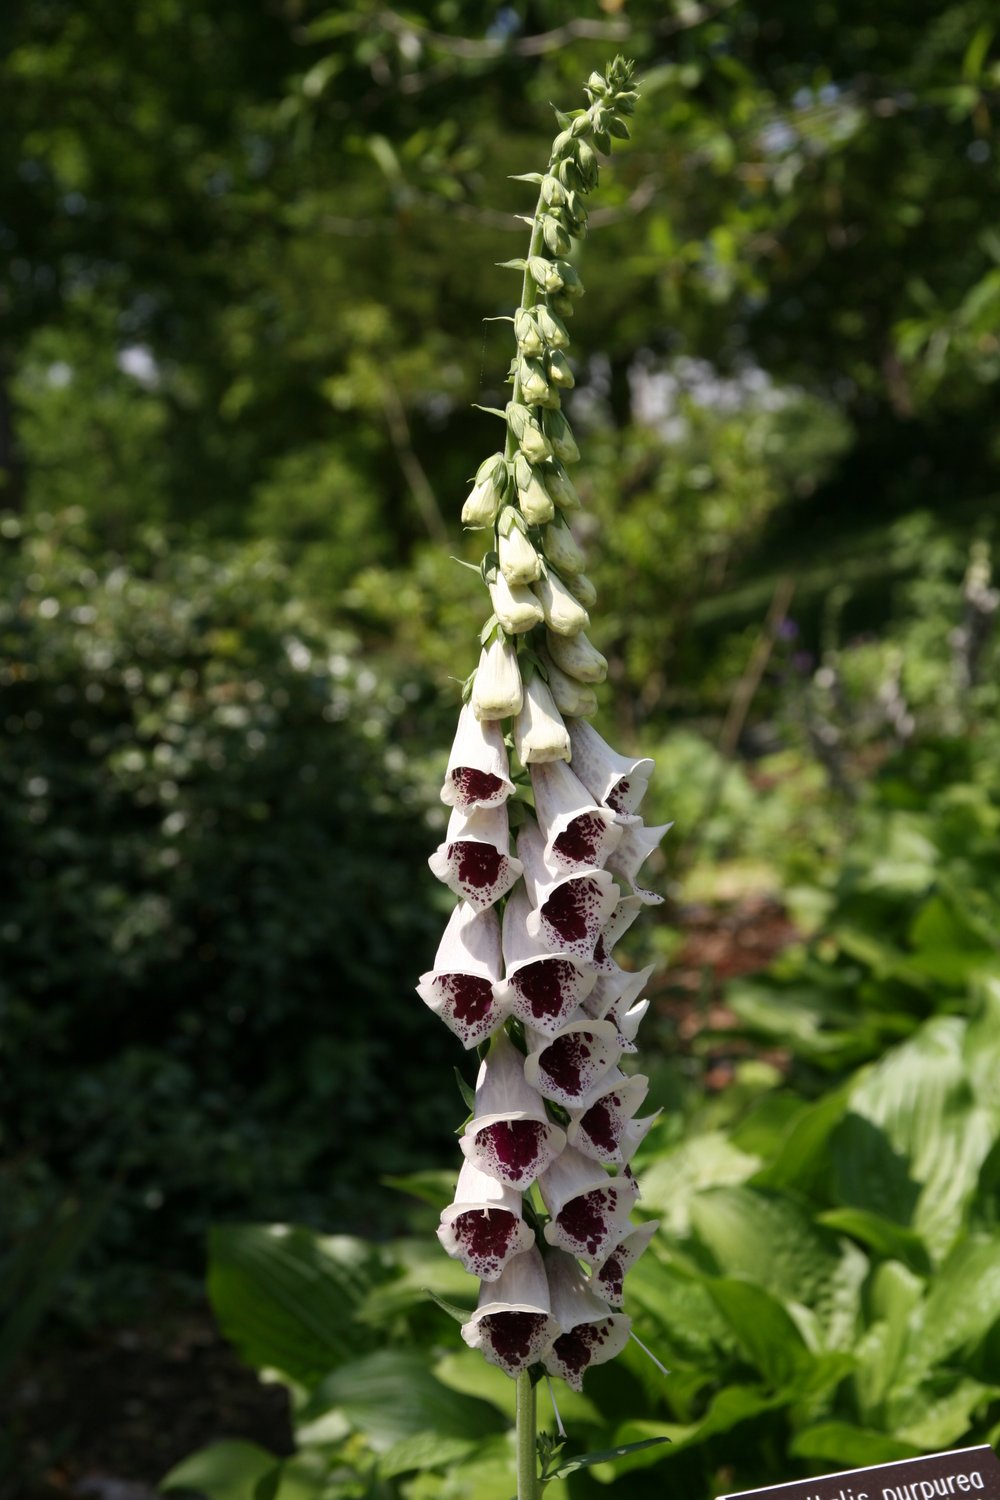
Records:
x=615, y=927
x=461, y=986
x=518, y=560
x=513, y=1325
x=615, y=991
x=618, y=781
x=562, y=550
x=589, y=1209
x=497, y=692
x=539, y=731
x=514, y=605
x=509, y=1136
x=570, y=696
x=543, y=989
x=568, y=911
x=574, y=655
x=564, y=614
x=609, y=1270
x=591, y=1333
x=478, y=772
x=570, y=1067
x=605, y=1128
x=483, y=1226
x=579, y=835
x=638, y=842
x=473, y=861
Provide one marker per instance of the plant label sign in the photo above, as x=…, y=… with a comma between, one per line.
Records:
x=965, y=1474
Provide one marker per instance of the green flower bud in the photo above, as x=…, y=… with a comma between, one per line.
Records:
x=545, y=273
x=526, y=429
x=534, y=387
x=564, y=614
x=527, y=332
x=560, y=373
x=587, y=162
x=519, y=562
x=602, y=141
x=584, y=591
x=533, y=498
x=557, y=241
x=571, y=283
x=563, y=551
x=552, y=330
x=517, y=609
x=580, y=125
x=574, y=655
x=481, y=506
x=552, y=190
x=569, y=174
x=571, y=697
x=561, y=142
x=497, y=691
x=562, y=305
x=560, y=437
x=596, y=84
x=560, y=487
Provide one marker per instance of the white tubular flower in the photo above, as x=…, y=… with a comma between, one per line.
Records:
x=589, y=1209
x=618, y=781
x=575, y=656
x=510, y=1137
x=497, y=692
x=591, y=1333
x=561, y=488
x=570, y=696
x=568, y=912
x=570, y=1067
x=637, y=844
x=460, y=987
x=515, y=606
x=562, y=550
x=564, y=614
x=481, y=506
x=532, y=495
x=619, y=922
x=539, y=731
x=474, y=861
x=483, y=1227
x=609, y=1271
x=542, y=989
x=477, y=772
x=580, y=835
x=605, y=1129
x=614, y=994
x=513, y=1326
x=519, y=562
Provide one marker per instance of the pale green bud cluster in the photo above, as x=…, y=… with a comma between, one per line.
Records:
x=539, y=592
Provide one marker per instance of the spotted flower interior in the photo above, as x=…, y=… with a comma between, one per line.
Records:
x=542, y=1212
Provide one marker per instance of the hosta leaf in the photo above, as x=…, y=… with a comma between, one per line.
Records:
x=765, y=1330
x=842, y=1443
x=229, y=1470
x=888, y=1240
x=669, y=1182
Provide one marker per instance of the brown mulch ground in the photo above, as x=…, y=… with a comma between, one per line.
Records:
x=107, y=1419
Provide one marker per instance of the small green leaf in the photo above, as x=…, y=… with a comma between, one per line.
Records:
x=586, y=1460
x=460, y=1314
x=230, y=1470
x=465, y=1089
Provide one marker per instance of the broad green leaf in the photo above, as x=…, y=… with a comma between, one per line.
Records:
x=893, y=1294
x=422, y=1270
x=843, y=1444
x=802, y=1156
x=771, y=1240
x=606, y=1456
x=734, y=1405
x=435, y=1188
x=963, y=1302
x=669, y=1182
x=933, y=1417
x=467, y=1371
x=887, y=1239
x=765, y=1330
x=230, y=1470
x=392, y=1395
x=288, y=1298
x=424, y=1450
x=675, y=1310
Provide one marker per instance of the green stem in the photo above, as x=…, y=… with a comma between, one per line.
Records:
x=527, y=1463
x=529, y=296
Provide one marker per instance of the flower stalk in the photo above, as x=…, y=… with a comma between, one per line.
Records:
x=524, y=972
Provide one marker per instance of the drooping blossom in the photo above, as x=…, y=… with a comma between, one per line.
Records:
x=510, y=1134
x=483, y=1227
x=474, y=859
x=591, y=1333
x=461, y=986
x=543, y=989
x=477, y=775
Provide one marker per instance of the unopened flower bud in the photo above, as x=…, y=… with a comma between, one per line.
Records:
x=586, y=159
x=557, y=241
x=552, y=190
x=534, y=387
x=571, y=697
x=569, y=173
x=530, y=438
x=562, y=141
x=533, y=498
x=519, y=562
x=560, y=487
x=596, y=84
x=572, y=286
x=560, y=437
x=546, y=273
x=584, y=590
x=515, y=606
x=551, y=328
x=563, y=551
x=562, y=305
x=539, y=732
x=574, y=655
x=580, y=125
x=527, y=332
x=560, y=373
x=497, y=691
x=563, y=612
x=481, y=506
